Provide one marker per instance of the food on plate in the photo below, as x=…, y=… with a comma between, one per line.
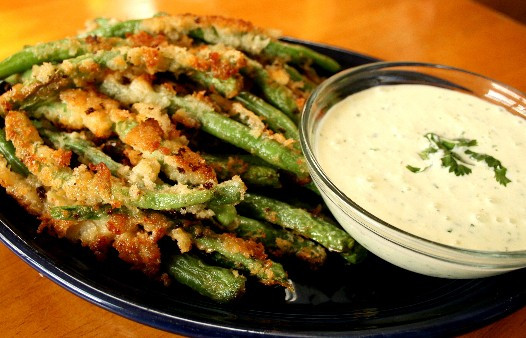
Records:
x=441, y=164
x=176, y=128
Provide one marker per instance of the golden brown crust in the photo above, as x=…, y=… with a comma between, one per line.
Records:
x=24, y=135
x=51, y=166
x=141, y=251
x=145, y=39
x=146, y=136
x=192, y=163
x=25, y=191
x=91, y=109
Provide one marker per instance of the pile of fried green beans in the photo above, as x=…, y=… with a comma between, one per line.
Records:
x=170, y=127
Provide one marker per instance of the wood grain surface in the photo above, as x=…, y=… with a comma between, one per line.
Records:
x=459, y=33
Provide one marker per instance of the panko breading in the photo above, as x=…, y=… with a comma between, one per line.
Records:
x=104, y=144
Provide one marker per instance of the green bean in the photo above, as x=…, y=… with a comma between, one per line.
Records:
x=238, y=253
x=228, y=88
x=273, y=275
x=356, y=255
x=274, y=118
x=228, y=192
x=261, y=176
x=220, y=284
x=258, y=175
x=80, y=212
x=225, y=214
x=225, y=193
x=280, y=242
x=277, y=94
x=42, y=52
x=307, y=85
x=33, y=94
x=300, y=54
x=106, y=28
x=82, y=147
x=299, y=220
x=149, y=200
x=171, y=58
x=8, y=151
x=158, y=200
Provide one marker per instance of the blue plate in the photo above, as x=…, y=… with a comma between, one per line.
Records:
x=373, y=298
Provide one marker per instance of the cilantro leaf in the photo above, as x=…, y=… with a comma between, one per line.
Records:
x=424, y=154
x=415, y=169
x=450, y=161
x=500, y=176
x=464, y=142
x=457, y=164
x=492, y=162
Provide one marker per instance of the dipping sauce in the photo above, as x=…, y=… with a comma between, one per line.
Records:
x=373, y=146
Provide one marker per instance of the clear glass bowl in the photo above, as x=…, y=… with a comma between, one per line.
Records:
x=384, y=240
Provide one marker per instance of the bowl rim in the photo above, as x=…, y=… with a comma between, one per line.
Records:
x=440, y=251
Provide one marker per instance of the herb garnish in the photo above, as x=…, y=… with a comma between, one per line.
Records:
x=454, y=161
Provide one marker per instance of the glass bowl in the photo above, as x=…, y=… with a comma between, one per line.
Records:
x=399, y=247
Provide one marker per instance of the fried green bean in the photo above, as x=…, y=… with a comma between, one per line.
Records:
x=274, y=118
x=173, y=59
x=280, y=242
x=42, y=52
x=79, y=212
x=226, y=192
x=300, y=54
x=159, y=200
x=240, y=254
x=241, y=136
x=229, y=166
x=220, y=284
x=108, y=28
x=299, y=220
x=356, y=255
x=8, y=151
x=82, y=147
x=280, y=96
x=225, y=214
x=227, y=87
x=171, y=155
x=306, y=84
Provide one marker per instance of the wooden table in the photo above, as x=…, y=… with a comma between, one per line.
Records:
x=460, y=33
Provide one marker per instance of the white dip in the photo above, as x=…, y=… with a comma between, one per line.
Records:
x=366, y=142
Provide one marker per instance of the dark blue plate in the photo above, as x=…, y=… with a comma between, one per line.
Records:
x=373, y=298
